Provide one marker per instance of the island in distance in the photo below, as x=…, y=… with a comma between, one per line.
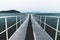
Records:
x=10, y=11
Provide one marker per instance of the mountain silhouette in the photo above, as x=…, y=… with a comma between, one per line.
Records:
x=10, y=11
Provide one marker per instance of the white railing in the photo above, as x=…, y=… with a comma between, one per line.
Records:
x=7, y=28
x=45, y=24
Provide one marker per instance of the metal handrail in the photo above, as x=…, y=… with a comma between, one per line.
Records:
x=12, y=26
x=45, y=24
x=7, y=28
x=48, y=25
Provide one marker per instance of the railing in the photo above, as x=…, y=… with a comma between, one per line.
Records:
x=51, y=24
x=8, y=28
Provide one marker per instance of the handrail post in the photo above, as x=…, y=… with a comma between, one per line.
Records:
x=16, y=23
x=6, y=28
x=57, y=29
x=45, y=22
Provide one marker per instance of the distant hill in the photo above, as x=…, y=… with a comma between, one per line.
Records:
x=10, y=11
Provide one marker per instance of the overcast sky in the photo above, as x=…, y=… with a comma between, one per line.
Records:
x=31, y=5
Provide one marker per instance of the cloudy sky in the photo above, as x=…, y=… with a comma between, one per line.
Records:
x=31, y=5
